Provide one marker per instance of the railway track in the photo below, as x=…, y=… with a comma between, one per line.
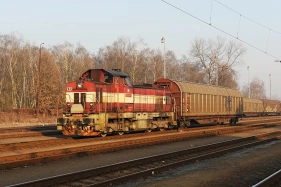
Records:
x=69, y=140
x=28, y=131
x=134, y=169
x=30, y=134
x=273, y=180
x=27, y=128
x=50, y=130
x=17, y=155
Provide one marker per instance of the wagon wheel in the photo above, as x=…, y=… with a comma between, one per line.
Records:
x=186, y=124
x=170, y=125
x=161, y=129
x=148, y=130
x=121, y=133
x=103, y=134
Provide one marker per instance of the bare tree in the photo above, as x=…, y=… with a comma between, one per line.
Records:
x=125, y=55
x=14, y=66
x=257, y=89
x=190, y=72
x=4, y=70
x=114, y=56
x=51, y=89
x=65, y=58
x=215, y=57
x=136, y=60
x=172, y=66
x=83, y=58
x=155, y=62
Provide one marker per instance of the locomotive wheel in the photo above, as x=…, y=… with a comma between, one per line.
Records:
x=103, y=134
x=186, y=125
x=121, y=133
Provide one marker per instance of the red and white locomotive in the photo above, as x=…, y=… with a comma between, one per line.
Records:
x=105, y=101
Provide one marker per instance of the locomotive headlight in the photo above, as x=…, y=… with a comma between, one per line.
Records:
x=80, y=84
x=68, y=107
x=91, y=104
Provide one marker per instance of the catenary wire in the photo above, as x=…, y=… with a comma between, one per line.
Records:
x=220, y=30
x=247, y=17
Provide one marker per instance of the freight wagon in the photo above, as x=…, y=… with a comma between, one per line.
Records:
x=201, y=104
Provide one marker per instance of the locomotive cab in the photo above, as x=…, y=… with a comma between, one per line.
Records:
x=98, y=91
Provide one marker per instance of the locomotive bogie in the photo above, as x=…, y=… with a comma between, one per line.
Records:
x=108, y=123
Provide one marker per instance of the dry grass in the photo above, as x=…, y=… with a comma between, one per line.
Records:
x=13, y=119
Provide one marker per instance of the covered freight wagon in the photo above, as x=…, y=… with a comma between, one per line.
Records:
x=200, y=103
x=271, y=107
x=252, y=107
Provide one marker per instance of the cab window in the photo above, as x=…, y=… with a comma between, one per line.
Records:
x=126, y=81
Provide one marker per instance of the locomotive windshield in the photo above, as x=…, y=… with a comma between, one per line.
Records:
x=126, y=81
x=108, y=78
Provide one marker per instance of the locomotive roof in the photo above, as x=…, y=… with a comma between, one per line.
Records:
x=206, y=89
x=116, y=73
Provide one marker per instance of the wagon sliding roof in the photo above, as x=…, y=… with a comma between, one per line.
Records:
x=206, y=89
x=252, y=100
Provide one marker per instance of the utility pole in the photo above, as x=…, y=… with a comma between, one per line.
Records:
x=270, y=86
x=217, y=71
x=163, y=41
x=249, y=81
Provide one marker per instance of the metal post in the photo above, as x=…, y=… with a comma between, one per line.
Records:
x=217, y=71
x=270, y=86
x=39, y=71
x=163, y=41
x=249, y=81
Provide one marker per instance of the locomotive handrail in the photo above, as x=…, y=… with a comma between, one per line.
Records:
x=90, y=97
x=98, y=102
x=69, y=97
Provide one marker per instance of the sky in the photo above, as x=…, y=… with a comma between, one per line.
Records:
x=97, y=23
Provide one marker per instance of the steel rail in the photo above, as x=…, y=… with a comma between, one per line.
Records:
x=272, y=180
